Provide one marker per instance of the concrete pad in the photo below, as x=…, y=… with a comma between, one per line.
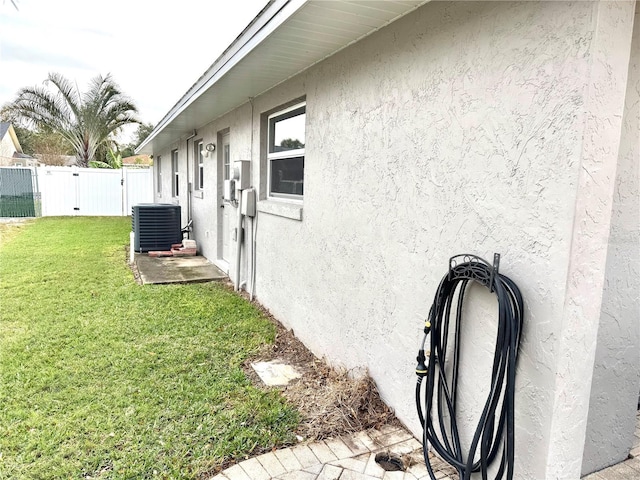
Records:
x=275, y=373
x=155, y=270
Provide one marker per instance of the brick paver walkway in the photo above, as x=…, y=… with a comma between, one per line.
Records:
x=353, y=458
x=347, y=458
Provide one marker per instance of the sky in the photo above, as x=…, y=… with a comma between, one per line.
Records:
x=155, y=50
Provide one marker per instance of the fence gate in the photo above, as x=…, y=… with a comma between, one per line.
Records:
x=93, y=191
x=18, y=197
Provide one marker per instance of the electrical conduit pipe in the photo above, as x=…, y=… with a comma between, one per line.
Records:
x=236, y=284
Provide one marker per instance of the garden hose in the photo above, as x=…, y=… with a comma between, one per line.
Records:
x=437, y=402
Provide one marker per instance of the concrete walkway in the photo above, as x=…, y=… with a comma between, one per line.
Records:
x=353, y=458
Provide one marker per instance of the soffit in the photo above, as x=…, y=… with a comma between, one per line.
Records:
x=286, y=38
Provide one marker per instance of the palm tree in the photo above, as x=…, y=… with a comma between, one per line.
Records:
x=86, y=121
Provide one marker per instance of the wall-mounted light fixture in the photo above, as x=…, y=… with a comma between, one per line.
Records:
x=208, y=148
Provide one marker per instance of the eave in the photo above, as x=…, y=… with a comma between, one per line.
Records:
x=286, y=38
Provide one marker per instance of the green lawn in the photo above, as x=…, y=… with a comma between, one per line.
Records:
x=103, y=378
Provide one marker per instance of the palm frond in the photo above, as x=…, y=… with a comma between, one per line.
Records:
x=85, y=120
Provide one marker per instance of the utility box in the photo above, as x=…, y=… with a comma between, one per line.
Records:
x=241, y=174
x=248, y=202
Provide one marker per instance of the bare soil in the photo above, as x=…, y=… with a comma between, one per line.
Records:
x=332, y=402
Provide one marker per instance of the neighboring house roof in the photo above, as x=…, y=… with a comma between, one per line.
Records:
x=7, y=128
x=4, y=128
x=64, y=160
x=22, y=155
x=137, y=160
x=287, y=37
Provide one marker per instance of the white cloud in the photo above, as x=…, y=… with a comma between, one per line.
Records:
x=154, y=50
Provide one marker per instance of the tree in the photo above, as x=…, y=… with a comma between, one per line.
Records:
x=49, y=147
x=142, y=132
x=291, y=143
x=86, y=121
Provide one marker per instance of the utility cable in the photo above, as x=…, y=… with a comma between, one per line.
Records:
x=437, y=402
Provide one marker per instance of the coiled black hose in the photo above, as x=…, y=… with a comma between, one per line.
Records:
x=494, y=434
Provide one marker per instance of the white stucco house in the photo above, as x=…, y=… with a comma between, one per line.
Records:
x=381, y=139
x=9, y=144
x=11, y=154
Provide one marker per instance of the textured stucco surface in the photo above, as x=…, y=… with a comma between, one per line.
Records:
x=7, y=149
x=456, y=130
x=616, y=377
x=604, y=108
x=464, y=127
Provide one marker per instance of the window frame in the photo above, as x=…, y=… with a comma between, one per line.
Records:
x=175, y=174
x=299, y=108
x=198, y=164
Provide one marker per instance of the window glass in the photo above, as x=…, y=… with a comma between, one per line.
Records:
x=199, y=164
x=285, y=153
x=287, y=175
x=288, y=132
x=176, y=177
x=227, y=161
x=159, y=174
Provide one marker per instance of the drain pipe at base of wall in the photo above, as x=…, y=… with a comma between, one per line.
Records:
x=236, y=283
x=242, y=182
x=252, y=258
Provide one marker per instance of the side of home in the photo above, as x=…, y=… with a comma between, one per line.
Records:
x=383, y=138
x=9, y=145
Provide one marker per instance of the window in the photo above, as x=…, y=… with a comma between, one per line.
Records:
x=226, y=157
x=159, y=176
x=198, y=146
x=175, y=177
x=285, y=153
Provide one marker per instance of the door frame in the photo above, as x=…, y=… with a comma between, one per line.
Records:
x=222, y=208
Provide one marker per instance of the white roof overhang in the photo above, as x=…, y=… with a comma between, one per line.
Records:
x=287, y=37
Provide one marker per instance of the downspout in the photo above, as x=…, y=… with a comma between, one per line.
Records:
x=252, y=259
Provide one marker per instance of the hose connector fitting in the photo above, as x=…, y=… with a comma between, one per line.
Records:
x=427, y=327
x=421, y=368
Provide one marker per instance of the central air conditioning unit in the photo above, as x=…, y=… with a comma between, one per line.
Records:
x=155, y=226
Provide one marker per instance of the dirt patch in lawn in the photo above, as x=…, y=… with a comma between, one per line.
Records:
x=331, y=401
x=10, y=227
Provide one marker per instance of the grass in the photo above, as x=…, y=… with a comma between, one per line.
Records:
x=103, y=378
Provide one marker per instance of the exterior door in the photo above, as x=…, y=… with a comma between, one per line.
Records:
x=225, y=220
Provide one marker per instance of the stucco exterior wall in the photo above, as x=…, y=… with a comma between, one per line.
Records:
x=459, y=128
x=616, y=377
x=455, y=130
x=7, y=149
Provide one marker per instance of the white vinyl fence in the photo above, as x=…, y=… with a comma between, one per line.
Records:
x=92, y=191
